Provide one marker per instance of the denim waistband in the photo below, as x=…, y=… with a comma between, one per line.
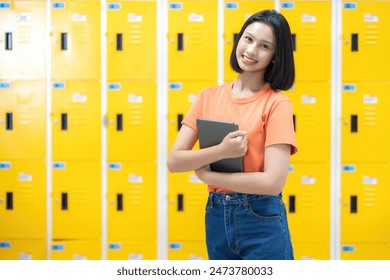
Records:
x=235, y=198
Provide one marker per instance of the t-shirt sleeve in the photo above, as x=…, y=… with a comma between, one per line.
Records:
x=280, y=126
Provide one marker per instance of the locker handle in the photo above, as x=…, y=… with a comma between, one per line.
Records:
x=235, y=37
x=294, y=41
x=119, y=42
x=64, y=121
x=119, y=200
x=353, y=204
x=119, y=122
x=8, y=41
x=180, y=41
x=354, y=123
x=9, y=201
x=179, y=120
x=291, y=204
x=8, y=121
x=64, y=201
x=354, y=45
x=180, y=202
x=295, y=122
x=64, y=41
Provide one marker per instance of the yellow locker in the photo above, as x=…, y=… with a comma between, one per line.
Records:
x=311, y=251
x=76, y=200
x=22, y=44
x=307, y=198
x=132, y=202
x=365, y=251
x=76, y=120
x=75, y=33
x=131, y=250
x=365, y=202
x=131, y=40
x=311, y=115
x=22, y=249
x=366, y=40
x=365, y=122
x=187, y=250
x=132, y=120
x=187, y=197
x=192, y=40
x=180, y=98
x=22, y=116
x=235, y=14
x=23, y=199
x=310, y=23
x=76, y=250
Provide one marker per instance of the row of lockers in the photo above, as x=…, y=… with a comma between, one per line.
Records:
x=131, y=114
x=132, y=205
x=192, y=38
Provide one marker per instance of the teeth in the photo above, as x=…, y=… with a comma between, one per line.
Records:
x=249, y=60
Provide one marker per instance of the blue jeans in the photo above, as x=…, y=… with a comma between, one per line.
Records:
x=247, y=227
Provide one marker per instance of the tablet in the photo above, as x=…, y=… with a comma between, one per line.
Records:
x=211, y=133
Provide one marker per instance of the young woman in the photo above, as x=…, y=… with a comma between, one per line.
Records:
x=245, y=213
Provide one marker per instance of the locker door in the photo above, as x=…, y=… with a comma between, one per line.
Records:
x=192, y=40
x=310, y=23
x=75, y=40
x=365, y=129
x=311, y=113
x=366, y=40
x=187, y=199
x=365, y=208
x=132, y=130
x=187, y=250
x=22, y=249
x=22, y=116
x=76, y=120
x=132, y=201
x=131, y=40
x=307, y=198
x=22, y=43
x=76, y=250
x=23, y=199
x=235, y=14
x=136, y=250
x=76, y=200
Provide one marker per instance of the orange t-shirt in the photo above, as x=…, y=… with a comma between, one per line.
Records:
x=266, y=117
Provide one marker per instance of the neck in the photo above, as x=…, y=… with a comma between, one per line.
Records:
x=246, y=85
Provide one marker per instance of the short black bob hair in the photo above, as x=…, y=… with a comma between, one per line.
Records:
x=281, y=73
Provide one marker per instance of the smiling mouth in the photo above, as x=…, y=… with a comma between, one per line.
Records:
x=248, y=60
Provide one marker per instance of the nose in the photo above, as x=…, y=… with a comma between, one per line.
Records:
x=251, y=49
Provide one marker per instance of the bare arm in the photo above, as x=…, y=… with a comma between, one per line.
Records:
x=182, y=158
x=269, y=182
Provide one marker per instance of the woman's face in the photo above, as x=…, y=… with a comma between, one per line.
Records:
x=256, y=47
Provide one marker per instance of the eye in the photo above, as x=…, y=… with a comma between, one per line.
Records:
x=264, y=46
x=249, y=39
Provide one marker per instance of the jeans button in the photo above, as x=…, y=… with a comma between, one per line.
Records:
x=228, y=197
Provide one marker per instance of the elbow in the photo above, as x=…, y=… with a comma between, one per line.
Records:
x=276, y=186
x=172, y=165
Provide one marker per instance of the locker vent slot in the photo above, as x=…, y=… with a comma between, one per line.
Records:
x=119, y=200
x=291, y=204
x=64, y=121
x=294, y=41
x=8, y=41
x=64, y=201
x=119, y=122
x=180, y=42
x=10, y=201
x=64, y=41
x=119, y=42
x=353, y=204
x=179, y=120
x=180, y=202
x=354, y=45
x=8, y=121
x=354, y=123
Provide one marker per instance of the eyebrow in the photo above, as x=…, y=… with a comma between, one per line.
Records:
x=261, y=40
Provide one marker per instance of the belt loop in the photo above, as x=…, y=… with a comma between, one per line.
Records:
x=211, y=199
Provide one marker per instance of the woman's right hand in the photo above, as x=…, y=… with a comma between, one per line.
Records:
x=234, y=144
